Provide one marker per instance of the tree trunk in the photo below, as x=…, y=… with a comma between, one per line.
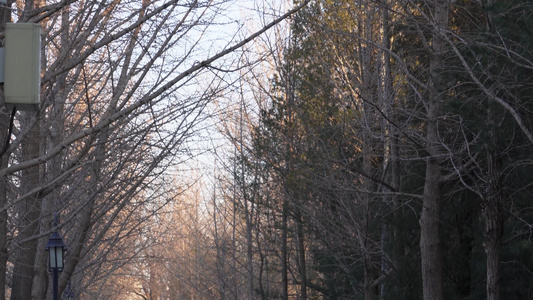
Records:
x=249, y=253
x=493, y=243
x=4, y=120
x=430, y=248
x=5, y=15
x=492, y=211
x=368, y=83
x=301, y=254
x=3, y=214
x=430, y=252
x=284, y=252
x=51, y=204
x=29, y=213
x=390, y=158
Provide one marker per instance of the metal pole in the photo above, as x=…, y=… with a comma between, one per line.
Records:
x=55, y=283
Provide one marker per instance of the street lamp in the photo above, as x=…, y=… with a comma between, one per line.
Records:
x=55, y=248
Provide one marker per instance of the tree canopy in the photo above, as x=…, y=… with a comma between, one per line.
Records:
x=344, y=150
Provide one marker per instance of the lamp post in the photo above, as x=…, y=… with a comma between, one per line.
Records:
x=55, y=248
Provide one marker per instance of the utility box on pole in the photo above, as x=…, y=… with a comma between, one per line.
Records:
x=22, y=82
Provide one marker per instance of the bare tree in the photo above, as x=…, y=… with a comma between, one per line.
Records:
x=113, y=118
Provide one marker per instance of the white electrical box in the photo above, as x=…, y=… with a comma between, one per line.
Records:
x=22, y=82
